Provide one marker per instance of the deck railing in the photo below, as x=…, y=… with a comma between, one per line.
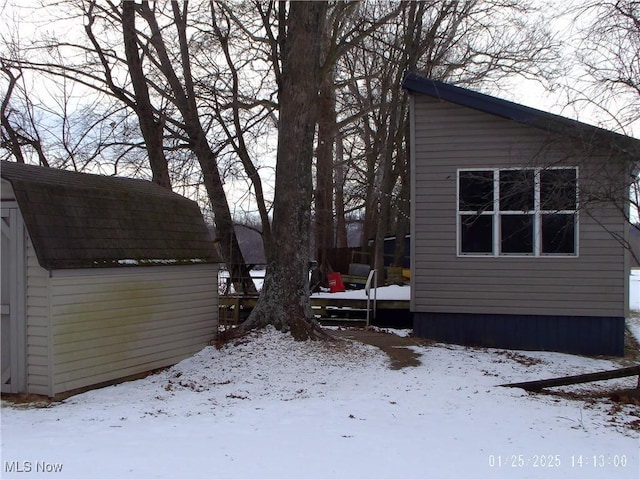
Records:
x=371, y=279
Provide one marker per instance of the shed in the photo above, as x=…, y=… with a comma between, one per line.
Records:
x=518, y=224
x=102, y=278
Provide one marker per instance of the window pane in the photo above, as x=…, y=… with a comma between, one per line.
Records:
x=476, y=233
x=476, y=191
x=558, y=189
x=517, y=190
x=558, y=233
x=516, y=233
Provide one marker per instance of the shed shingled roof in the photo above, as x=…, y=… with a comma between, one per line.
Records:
x=520, y=113
x=79, y=220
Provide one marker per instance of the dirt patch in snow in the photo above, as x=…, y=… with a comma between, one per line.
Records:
x=396, y=347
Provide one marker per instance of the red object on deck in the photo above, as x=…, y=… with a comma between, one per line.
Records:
x=335, y=282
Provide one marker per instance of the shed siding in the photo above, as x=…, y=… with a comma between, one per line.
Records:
x=448, y=137
x=112, y=323
x=39, y=370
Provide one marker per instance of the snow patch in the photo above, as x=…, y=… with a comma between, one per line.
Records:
x=390, y=292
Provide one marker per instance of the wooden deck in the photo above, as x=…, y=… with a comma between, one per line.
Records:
x=235, y=308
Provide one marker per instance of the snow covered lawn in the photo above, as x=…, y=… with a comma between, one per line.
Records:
x=269, y=407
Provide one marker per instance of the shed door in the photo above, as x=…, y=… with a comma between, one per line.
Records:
x=12, y=330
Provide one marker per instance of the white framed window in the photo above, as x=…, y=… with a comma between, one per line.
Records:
x=521, y=212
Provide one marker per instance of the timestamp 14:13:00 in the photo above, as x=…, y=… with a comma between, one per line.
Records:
x=551, y=461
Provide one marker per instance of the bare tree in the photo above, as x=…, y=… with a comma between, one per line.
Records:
x=14, y=136
x=155, y=59
x=150, y=120
x=240, y=107
x=345, y=29
x=604, y=75
x=58, y=129
x=470, y=43
x=184, y=97
x=603, y=79
x=284, y=300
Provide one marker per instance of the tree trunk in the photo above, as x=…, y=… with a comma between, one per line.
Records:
x=389, y=177
x=151, y=128
x=371, y=200
x=342, y=240
x=184, y=98
x=403, y=202
x=284, y=300
x=225, y=234
x=12, y=139
x=384, y=216
x=403, y=222
x=324, y=170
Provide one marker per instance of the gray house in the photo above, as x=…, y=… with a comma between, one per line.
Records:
x=102, y=278
x=518, y=224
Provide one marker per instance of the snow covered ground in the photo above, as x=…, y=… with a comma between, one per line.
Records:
x=390, y=292
x=633, y=325
x=269, y=407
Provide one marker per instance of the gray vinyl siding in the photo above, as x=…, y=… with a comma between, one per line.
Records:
x=39, y=366
x=112, y=323
x=447, y=137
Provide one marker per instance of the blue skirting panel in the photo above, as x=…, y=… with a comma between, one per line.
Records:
x=583, y=335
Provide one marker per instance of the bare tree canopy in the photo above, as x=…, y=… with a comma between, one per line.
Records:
x=601, y=62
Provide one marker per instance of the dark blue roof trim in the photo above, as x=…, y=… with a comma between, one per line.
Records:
x=512, y=111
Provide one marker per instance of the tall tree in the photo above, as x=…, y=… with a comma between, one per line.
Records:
x=185, y=99
x=464, y=42
x=238, y=105
x=284, y=300
x=149, y=119
x=346, y=27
